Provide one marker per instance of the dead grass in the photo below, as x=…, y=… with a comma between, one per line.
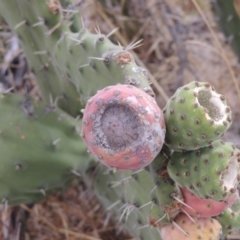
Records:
x=181, y=43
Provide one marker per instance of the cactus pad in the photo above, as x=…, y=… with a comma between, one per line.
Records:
x=41, y=150
x=143, y=200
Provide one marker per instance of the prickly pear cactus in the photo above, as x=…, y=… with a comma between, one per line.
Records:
x=143, y=200
x=210, y=172
x=41, y=150
x=195, y=115
x=71, y=65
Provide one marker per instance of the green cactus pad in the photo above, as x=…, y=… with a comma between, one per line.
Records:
x=230, y=218
x=143, y=200
x=195, y=116
x=41, y=150
x=210, y=172
x=69, y=66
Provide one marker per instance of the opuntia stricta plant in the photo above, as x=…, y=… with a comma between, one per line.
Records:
x=121, y=153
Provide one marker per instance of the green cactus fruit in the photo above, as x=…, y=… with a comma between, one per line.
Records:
x=230, y=218
x=123, y=127
x=195, y=116
x=201, y=207
x=143, y=200
x=210, y=172
x=41, y=150
x=185, y=228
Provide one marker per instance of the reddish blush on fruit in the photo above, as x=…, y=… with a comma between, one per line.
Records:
x=123, y=127
x=201, y=207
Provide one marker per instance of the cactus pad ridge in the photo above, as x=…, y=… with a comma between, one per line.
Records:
x=41, y=147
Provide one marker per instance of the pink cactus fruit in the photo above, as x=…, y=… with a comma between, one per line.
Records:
x=123, y=127
x=200, y=207
x=185, y=228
